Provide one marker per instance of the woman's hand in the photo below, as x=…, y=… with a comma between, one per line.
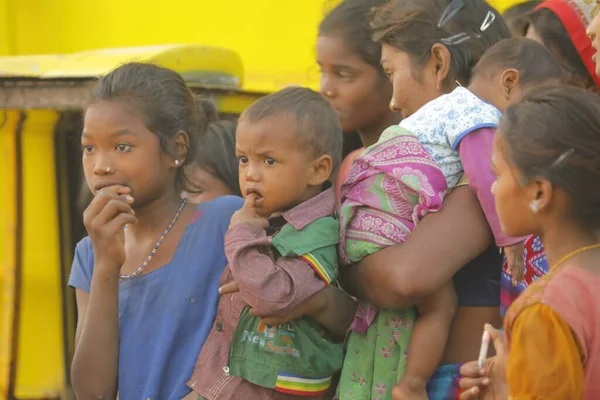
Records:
x=105, y=219
x=489, y=382
x=399, y=276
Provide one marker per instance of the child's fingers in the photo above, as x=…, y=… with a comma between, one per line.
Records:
x=497, y=338
x=471, y=370
x=470, y=394
x=228, y=288
x=250, y=200
x=469, y=383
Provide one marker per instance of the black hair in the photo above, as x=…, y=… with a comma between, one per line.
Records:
x=350, y=19
x=533, y=60
x=555, y=36
x=166, y=105
x=554, y=133
x=516, y=17
x=317, y=124
x=414, y=26
x=216, y=154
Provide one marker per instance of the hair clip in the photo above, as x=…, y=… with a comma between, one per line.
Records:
x=563, y=158
x=450, y=11
x=456, y=39
x=489, y=18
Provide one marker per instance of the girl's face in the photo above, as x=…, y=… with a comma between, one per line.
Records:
x=209, y=185
x=356, y=90
x=511, y=198
x=118, y=149
x=411, y=89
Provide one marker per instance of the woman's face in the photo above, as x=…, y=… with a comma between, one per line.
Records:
x=512, y=202
x=357, y=91
x=411, y=89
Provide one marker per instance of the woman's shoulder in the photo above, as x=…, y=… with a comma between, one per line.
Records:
x=573, y=292
x=566, y=290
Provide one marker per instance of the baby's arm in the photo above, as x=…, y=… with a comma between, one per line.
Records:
x=428, y=341
x=269, y=287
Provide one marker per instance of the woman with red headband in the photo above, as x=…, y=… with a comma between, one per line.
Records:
x=561, y=26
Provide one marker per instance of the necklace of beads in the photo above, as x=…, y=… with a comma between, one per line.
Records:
x=576, y=251
x=157, y=245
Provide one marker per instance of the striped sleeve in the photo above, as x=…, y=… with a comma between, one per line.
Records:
x=323, y=262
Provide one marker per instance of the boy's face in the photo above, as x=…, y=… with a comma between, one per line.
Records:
x=273, y=164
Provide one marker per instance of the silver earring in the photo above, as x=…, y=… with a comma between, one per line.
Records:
x=534, y=206
x=176, y=162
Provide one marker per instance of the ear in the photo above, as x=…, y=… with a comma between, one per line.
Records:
x=510, y=82
x=181, y=145
x=321, y=170
x=440, y=60
x=541, y=191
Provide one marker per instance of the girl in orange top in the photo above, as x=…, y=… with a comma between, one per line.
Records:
x=548, y=183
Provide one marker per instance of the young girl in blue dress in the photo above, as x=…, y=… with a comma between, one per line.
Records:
x=147, y=276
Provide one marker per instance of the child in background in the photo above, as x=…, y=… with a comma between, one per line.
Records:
x=214, y=171
x=282, y=249
x=397, y=181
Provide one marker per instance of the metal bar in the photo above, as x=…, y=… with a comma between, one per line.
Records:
x=18, y=257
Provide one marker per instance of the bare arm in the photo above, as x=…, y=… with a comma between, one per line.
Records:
x=331, y=308
x=336, y=313
x=441, y=244
x=96, y=360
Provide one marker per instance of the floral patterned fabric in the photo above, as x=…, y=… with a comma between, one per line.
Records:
x=536, y=266
x=442, y=123
x=389, y=188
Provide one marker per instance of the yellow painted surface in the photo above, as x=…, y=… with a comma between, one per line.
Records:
x=196, y=63
x=502, y=5
x=274, y=38
x=6, y=34
x=40, y=368
x=8, y=124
